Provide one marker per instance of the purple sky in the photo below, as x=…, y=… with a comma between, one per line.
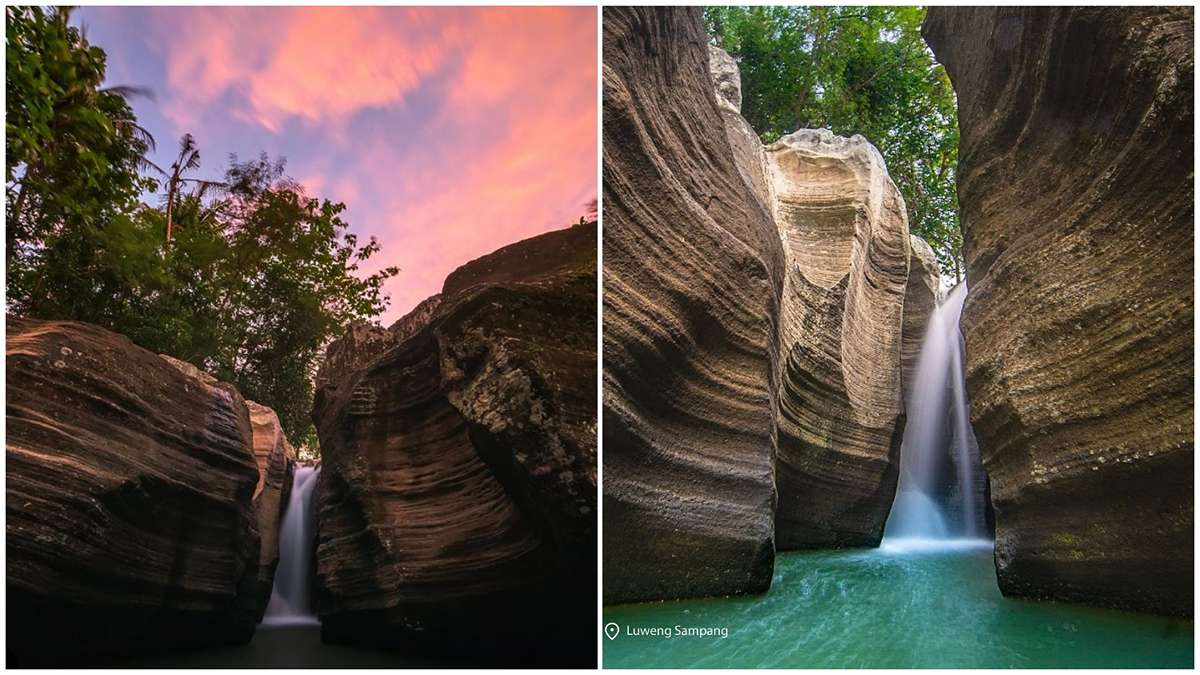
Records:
x=448, y=132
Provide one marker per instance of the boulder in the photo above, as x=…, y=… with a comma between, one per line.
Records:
x=1075, y=181
x=845, y=238
x=457, y=495
x=692, y=266
x=276, y=460
x=129, y=500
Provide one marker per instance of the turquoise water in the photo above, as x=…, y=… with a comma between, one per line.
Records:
x=891, y=608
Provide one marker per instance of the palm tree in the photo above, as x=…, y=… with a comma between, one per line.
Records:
x=188, y=160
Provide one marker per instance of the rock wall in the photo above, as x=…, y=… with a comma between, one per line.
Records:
x=845, y=237
x=456, y=502
x=276, y=460
x=1075, y=182
x=692, y=264
x=129, y=500
x=921, y=298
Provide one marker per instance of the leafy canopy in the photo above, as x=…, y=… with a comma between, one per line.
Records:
x=855, y=70
x=258, y=275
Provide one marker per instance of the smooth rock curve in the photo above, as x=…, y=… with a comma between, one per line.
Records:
x=692, y=267
x=1075, y=181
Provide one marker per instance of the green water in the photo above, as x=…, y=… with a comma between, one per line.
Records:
x=892, y=609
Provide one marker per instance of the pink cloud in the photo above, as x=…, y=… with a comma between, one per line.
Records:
x=448, y=132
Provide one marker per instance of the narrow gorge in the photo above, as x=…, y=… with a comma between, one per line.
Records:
x=450, y=519
x=812, y=439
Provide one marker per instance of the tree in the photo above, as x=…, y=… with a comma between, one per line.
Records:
x=855, y=70
x=289, y=283
x=188, y=160
x=258, y=277
x=73, y=155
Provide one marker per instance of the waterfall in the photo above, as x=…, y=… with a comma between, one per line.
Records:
x=290, y=596
x=930, y=504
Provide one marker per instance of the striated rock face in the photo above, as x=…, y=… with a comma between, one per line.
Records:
x=129, y=500
x=276, y=460
x=921, y=298
x=457, y=490
x=845, y=238
x=363, y=342
x=692, y=264
x=1075, y=180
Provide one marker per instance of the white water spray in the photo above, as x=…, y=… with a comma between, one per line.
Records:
x=290, y=601
x=922, y=512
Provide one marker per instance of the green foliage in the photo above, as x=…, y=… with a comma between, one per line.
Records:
x=855, y=70
x=257, y=278
x=72, y=158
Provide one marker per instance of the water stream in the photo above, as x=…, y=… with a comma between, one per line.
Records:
x=290, y=602
x=940, y=492
x=927, y=597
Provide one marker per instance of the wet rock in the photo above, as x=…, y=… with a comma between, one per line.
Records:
x=1075, y=182
x=129, y=500
x=845, y=237
x=456, y=502
x=692, y=267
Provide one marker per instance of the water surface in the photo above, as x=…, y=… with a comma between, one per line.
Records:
x=901, y=606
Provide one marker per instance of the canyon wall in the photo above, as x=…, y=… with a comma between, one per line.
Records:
x=754, y=317
x=130, y=500
x=692, y=263
x=1075, y=183
x=921, y=298
x=845, y=236
x=457, y=496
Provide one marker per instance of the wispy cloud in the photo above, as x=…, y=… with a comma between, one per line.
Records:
x=447, y=131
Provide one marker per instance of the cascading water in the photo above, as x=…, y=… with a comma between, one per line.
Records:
x=290, y=596
x=926, y=508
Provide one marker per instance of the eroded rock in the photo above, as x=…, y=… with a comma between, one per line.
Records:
x=129, y=500
x=1075, y=182
x=845, y=237
x=921, y=298
x=692, y=267
x=457, y=490
x=276, y=460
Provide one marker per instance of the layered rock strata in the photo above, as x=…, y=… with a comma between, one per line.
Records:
x=457, y=496
x=921, y=298
x=129, y=500
x=845, y=237
x=692, y=267
x=1075, y=183
x=276, y=460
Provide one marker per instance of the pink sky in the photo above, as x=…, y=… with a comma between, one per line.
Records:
x=448, y=132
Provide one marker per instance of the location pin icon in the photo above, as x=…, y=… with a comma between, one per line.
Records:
x=611, y=630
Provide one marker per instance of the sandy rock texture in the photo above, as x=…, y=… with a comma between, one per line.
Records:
x=921, y=297
x=456, y=502
x=276, y=460
x=1075, y=180
x=845, y=236
x=131, y=522
x=692, y=267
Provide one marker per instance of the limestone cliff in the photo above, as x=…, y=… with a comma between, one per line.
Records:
x=129, y=502
x=692, y=265
x=845, y=236
x=1075, y=183
x=456, y=502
